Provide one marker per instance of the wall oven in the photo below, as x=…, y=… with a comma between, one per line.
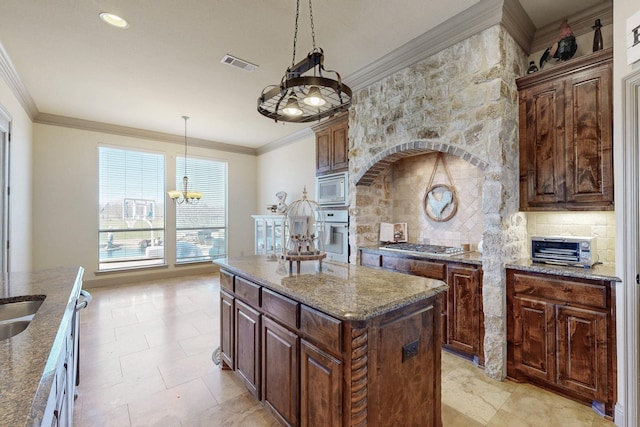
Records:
x=335, y=235
x=333, y=190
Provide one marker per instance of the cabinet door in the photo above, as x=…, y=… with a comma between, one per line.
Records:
x=340, y=147
x=227, y=331
x=534, y=338
x=582, y=351
x=323, y=151
x=463, y=310
x=320, y=387
x=589, y=147
x=248, y=346
x=280, y=389
x=542, y=156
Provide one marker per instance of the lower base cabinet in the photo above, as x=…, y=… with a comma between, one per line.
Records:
x=320, y=387
x=561, y=335
x=280, y=372
x=316, y=370
x=462, y=318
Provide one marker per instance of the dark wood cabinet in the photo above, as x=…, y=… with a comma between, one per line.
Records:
x=320, y=387
x=332, y=145
x=561, y=334
x=247, y=348
x=280, y=372
x=227, y=323
x=461, y=317
x=318, y=370
x=566, y=141
x=464, y=310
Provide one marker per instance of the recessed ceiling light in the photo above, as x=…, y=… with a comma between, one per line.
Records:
x=114, y=20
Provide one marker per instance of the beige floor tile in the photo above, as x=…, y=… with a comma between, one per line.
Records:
x=168, y=407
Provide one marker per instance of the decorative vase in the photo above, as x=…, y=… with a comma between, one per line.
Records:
x=597, y=36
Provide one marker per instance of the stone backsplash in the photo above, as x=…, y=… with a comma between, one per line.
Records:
x=601, y=225
x=410, y=179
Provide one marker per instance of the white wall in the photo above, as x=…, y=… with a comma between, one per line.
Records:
x=65, y=197
x=289, y=168
x=627, y=407
x=20, y=181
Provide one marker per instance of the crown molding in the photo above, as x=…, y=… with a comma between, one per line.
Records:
x=70, y=122
x=11, y=77
x=279, y=143
x=580, y=23
x=484, y=14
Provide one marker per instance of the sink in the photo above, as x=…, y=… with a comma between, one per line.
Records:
x=10, y=329
x=18, y=309
x=15, y=316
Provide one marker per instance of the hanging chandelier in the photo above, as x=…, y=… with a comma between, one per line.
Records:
x=184, y=195
x=305, y=94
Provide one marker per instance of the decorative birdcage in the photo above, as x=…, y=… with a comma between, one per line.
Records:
x=304, y=230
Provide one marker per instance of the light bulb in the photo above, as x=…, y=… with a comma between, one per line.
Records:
x=314, y=97
x=292, y=108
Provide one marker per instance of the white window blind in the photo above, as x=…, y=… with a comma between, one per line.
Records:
x=131, y=208
x=201, y=229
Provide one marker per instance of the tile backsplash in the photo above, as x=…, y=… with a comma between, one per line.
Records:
x=600, y=225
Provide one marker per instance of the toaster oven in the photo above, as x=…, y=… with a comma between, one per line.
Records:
x=573, y=250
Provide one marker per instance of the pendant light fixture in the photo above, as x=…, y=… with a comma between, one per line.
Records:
x=305, y=94
x=184, y=195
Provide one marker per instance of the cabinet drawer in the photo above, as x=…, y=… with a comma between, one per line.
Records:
x=280, y=307
x=226, y=281
x=561, y=290
x=325, y=330
x=430, y=269
x=370, y=260
x=248, y=291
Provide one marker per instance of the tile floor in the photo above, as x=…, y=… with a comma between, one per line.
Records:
x=146, y=361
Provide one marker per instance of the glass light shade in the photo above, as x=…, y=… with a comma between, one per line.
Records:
x=292, y=108
x=314, y=97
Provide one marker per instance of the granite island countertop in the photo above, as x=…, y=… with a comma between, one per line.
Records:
x=344, y=291
x=26, y=369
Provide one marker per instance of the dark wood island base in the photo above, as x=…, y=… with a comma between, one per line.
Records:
x=347, y=345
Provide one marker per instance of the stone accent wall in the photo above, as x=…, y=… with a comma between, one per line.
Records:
x=462, y=101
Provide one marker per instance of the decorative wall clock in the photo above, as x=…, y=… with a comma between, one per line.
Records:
x=440, y=200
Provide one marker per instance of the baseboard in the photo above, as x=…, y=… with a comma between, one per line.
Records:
x=140, y=276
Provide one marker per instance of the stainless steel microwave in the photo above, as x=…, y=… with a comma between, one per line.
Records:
x=333, y=189
x=573, y=250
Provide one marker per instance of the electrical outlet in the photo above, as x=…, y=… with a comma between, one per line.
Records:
x=409, y=350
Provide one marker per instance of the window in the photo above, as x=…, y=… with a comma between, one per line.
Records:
x=201, y=229
x=131, y=208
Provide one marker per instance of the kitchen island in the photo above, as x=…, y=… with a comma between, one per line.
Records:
x=344, y=345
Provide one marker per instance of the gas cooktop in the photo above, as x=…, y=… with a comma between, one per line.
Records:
x=424, y=249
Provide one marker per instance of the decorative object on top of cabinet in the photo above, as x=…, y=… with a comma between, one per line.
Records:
x=440, y=200
x=597, y=36
x=282, y=206
x=332, y=145
x=303, y=225
x=566, y=144
x=564, y=48
x=532, y=67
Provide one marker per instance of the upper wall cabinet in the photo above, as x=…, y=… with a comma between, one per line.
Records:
x=566, y=155
x=332, y=145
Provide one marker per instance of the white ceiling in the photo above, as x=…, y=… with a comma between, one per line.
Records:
x=167, y=64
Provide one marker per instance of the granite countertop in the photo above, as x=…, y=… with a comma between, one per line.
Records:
x=344, y=291
x=473, y=258
x=26, y=370
x=597, y=272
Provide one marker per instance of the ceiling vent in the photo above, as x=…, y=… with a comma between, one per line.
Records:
x=237, y=62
